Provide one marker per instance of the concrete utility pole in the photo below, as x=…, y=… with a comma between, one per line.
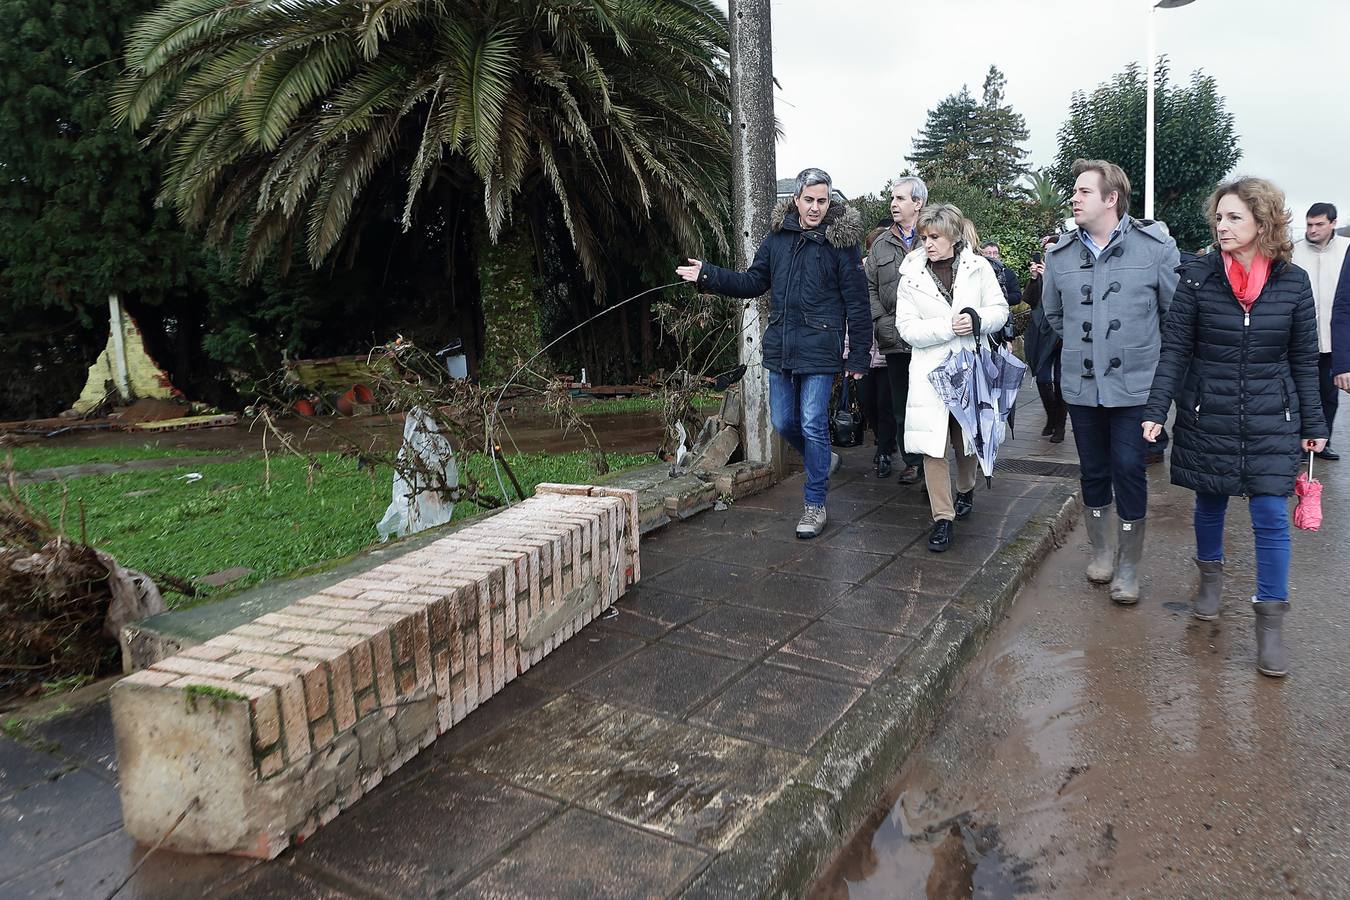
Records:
x=754, y=191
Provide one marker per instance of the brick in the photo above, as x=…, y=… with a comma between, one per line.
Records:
x=338, y=639
x=294, y=718
x=266, y=721
x=363, y=670
x=372, y=616
x=316, y=692
x=271, y=764
x=253, y=629
x=347, y=603
x=286, y=622
x=239, y=643
x=150, y=678
x=363, y=629
x=199, y=667
x=206, y=652
x=384, y=670
x=322, y=733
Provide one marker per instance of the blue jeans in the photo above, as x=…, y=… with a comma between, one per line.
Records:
x=799, y=406
x=1270, y=524
x=1111, y=454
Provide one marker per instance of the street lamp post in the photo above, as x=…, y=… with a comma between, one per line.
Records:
x=1149, y=126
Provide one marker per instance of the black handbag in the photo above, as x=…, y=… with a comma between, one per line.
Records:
x=846, y=421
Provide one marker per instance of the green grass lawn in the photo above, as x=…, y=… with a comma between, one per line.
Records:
x=29, y=458
x=645, y=403
x=158, y=522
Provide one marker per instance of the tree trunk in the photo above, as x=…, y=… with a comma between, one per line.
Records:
x=627, y=345
x=645, y=332
x=510, y=309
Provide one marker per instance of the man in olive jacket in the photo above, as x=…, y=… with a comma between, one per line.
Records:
x=812, y=268
x=1106, y=287
x=908, y=195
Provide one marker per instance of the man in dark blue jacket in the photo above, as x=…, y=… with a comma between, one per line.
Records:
x=1340, y=329
x=811, y=265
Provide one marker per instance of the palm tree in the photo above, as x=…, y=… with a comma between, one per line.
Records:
x=1049, y=205
x=301, y=119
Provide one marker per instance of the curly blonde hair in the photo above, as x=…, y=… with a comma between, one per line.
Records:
x=1266, y=203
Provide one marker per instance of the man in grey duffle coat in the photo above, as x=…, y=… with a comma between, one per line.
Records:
x=1107, y=286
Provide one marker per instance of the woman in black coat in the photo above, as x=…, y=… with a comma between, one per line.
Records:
x=1239, y=356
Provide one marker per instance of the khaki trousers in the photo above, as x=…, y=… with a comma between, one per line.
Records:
x=937, y=474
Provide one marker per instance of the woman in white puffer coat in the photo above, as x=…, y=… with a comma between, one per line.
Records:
x=948, y=299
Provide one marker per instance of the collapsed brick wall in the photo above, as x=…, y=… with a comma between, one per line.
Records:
x=270, y=730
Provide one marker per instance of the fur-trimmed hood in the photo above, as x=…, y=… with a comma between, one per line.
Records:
x=843, y=223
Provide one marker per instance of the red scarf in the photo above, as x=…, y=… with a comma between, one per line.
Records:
x=1247, y=283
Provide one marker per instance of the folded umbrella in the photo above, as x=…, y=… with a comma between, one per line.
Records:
x=1308, y=513
x=980, y=389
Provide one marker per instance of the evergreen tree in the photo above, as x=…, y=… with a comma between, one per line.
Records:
x=1196, y=144
x=945, y=146
x=974, y=142
x=996, y=135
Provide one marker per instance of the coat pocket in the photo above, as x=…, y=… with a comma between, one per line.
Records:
x=888, y=338
x=822, y=342
x=1138, y=365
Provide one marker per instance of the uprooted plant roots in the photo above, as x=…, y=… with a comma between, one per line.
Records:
x=62, y=602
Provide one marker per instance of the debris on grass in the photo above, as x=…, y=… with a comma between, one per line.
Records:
x=62, y=602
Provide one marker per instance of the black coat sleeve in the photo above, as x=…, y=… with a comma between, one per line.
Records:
x=1303, y=359
x=753, y=282
x=1032, y=295
x=1340, y=322
x=1178, y=347
x=857, y=308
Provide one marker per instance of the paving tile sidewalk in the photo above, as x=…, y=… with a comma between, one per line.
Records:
x=624, y=764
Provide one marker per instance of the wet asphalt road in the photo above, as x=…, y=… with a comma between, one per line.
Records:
x=1097, y=751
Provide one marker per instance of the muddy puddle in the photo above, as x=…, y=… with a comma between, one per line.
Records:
x=1095, y=751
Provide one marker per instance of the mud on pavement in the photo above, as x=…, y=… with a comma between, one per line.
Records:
x=1107, y=752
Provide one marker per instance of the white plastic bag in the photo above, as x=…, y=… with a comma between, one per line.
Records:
x=413, y=510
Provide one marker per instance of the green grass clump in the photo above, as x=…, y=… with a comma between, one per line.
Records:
x=159, y=522
x=217, y=695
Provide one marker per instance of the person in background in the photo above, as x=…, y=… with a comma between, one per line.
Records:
x=803, y=344
x=1322, y=253
x=1105, y=290
x=1239, y=357
x=874, y=389
x=1042, y=347
x=884, y=255
x=1007, y=278
x=948, y=299
x=1340, y=330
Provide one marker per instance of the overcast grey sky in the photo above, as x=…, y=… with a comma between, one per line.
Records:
x=858, y=77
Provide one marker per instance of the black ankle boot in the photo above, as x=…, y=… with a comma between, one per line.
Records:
x=1051, y=404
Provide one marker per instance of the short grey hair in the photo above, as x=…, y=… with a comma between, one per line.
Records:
x=917, y=190
x=810, y=178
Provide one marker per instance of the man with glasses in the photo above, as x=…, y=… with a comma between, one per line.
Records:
x=908, y=195
x=812, y=268
x=1106, y=287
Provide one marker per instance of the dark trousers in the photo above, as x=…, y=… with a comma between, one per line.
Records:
x=1111, y=454
x=874, y=392
x=1330, y=394
x=897, y=372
